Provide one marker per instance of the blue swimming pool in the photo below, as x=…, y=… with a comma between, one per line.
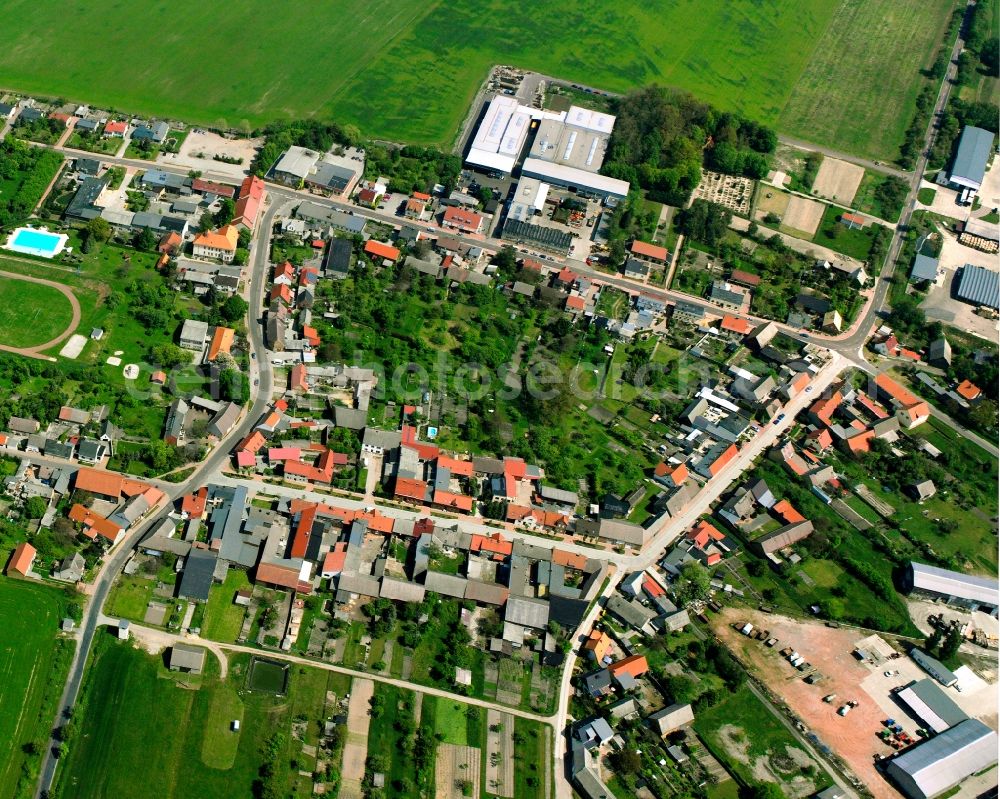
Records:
x=36, y=242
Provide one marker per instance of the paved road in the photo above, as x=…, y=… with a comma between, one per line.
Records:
x=114, y=562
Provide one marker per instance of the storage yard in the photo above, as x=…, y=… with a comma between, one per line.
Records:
x=857, y=733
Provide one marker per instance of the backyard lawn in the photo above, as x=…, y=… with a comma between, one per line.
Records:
x=33, y=665
x=224, y=618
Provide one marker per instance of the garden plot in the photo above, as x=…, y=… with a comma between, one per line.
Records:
x=456, y=772
x=803, y=215
x=356, y=749
x=500, y=753
x=838, y=180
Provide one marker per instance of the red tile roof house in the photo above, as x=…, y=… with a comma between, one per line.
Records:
x=248, y=204
x=462, y=220
x=380, y=250
x=635, y=666
x=116, y=129
x=22, y=559
x=649, y=252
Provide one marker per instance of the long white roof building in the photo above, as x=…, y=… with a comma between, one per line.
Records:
x=954, y=586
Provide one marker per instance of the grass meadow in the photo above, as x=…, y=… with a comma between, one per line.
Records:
x=405, y=70
x=33, y=665
x=137, y=719
x=31, y=314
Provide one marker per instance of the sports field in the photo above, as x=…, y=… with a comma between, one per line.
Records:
x=405, y=70
x=33, y=665
x=31, y=313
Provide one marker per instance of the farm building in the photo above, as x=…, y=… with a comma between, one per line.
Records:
x=943, y=761
x=924, y=268
x=969, y=166
x=187, y=658
x=934, y=667
x=931, y=705
x=954, y=588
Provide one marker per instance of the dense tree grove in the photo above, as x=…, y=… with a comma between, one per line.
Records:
x=663, y=137
x=279, y=136
x=34, y=167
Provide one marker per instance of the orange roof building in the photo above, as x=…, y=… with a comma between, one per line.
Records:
x=787, y=511
x=193, y=504
x=378, y=249
x=635, y=666
x=968, y=390
x=220, y=244
x=736, y=324
x=649, y=252
x=822, y=410
x=413, y=490
x=598, y=645
x=222, y=342
x=98, y=481
x=910, y=409
x=248, y=204
x=94, y=524
x=297, y=378
x=22, y=559
x=462, y=219
x=453, y=501
x=704, y=533
x=861, y=443
x=720, y=463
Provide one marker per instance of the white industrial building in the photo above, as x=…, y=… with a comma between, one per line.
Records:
x=931, y=705
x=942, y=762
x=954, y=587
x=578, y=180
x=529, y=199
x=501, y=135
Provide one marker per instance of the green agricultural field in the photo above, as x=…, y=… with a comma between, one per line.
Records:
x=859, y=89
x=31, y=313
x=406, y=70
x=33, y=665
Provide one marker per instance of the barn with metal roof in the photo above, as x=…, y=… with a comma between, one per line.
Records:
x=978, y=286
x=943, y=761
x=954, y=587
x=931, y=705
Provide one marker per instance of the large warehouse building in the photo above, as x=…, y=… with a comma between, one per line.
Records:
x=931, y=705
x=502, y=134
x=563, y=149
x=978, y=286
x=942, y=762
x=955, y=588
x=971, y=158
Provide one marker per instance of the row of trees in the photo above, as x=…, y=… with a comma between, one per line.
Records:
x=662, y=137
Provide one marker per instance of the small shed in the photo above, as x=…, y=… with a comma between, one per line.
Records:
x=123, y=631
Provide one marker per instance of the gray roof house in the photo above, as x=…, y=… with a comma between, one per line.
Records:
x=199, y=571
